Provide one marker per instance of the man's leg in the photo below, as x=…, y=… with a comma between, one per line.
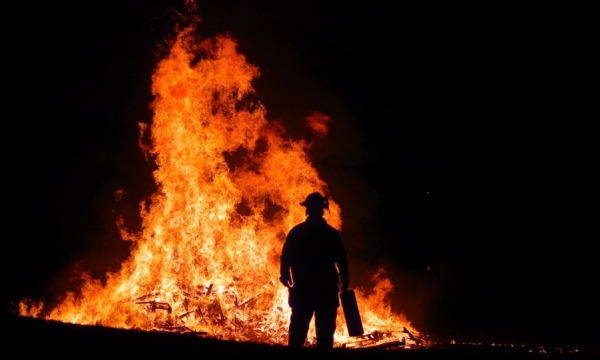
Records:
x=299, y=322
x=325, y=324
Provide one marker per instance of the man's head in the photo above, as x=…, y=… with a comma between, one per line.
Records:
x=315, y=203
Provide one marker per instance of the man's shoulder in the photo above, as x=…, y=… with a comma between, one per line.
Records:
x=297, y=229
x=310, y=226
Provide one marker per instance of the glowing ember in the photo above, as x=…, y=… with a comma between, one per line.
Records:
x=207, y=257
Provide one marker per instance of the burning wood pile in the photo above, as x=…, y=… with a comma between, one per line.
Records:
x=387, y=340
x=229, y=182
x=213, y=314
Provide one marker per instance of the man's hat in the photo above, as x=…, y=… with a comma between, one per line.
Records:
x=316, y=200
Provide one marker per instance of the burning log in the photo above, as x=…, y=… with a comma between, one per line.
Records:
x=248, y=303
x=155, y=305
x=376, y=339
x=202, y=315
x=215, y=312
x=147, y=296
x=182, y=329
x=186, y=314
x=174, y=328
x=238, y=323
x=411, y=336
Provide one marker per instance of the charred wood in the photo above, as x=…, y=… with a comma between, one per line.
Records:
x=155, y=305
x=250, y=302
x=187, y=313
x=144, y=297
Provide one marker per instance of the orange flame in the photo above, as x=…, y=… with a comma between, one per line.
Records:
x=318, y=123
x=206, y=259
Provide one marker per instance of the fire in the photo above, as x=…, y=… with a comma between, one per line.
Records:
x=318, y=123
x=206, y=259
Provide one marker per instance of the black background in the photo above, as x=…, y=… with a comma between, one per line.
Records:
x=459, y=148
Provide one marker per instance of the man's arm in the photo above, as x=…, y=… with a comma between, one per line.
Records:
x=342, y=264
x=343, y=269
x=284, y=267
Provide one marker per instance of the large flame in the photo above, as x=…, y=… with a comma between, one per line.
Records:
x=207, y=257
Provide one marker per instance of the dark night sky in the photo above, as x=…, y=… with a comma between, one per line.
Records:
x=457, y=151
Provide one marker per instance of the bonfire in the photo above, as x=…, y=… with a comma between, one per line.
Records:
x=229, y=182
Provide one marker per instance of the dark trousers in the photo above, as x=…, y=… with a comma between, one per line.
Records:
x=324, y=322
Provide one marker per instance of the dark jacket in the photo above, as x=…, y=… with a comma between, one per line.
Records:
x=311, y=252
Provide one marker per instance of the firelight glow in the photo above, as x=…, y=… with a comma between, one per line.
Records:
x=229, y=183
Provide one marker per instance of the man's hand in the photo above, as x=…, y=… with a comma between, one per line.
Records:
x=345, y=283
x=285, y=280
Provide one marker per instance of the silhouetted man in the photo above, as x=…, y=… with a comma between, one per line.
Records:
x=311, y=252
